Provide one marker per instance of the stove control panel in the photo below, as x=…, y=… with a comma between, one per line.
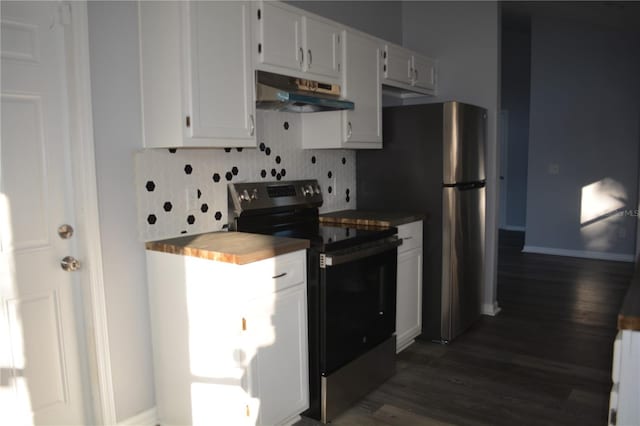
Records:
x=246, y=196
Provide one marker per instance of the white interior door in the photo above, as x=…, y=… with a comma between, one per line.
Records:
x=40, y=373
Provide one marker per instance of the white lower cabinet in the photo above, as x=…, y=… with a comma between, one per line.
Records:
x=229, y=341
x=409, y=285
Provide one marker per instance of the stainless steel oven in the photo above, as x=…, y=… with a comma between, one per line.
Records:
x=351, y=279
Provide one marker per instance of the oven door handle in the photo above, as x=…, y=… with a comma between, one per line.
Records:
x=339, y=258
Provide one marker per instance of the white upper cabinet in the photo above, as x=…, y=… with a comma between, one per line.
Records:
x=291, y=43
x=397, y=64
x=197, y=77
x=361, y=127
x=407, y=70
x=424, y=72
x=279, y=36
x=322, y=43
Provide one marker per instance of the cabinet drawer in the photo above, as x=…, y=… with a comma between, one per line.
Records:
x=411, y=236
x=275, y=274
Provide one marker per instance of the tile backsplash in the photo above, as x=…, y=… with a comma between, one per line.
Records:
x=184, y=191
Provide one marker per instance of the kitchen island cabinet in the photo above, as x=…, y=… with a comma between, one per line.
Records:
x=624, y=407
x=197, y=74
x=229, y=340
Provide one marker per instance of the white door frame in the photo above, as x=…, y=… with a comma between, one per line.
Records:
x=83, y=170
x=503, y=178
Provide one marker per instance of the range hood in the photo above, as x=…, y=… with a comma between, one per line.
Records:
x=282, y=93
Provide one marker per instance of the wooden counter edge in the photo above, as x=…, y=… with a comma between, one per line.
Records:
x=628, y=323
x=235, y=258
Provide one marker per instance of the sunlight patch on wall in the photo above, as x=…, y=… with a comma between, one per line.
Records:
x=601, y=200
x=601, y=223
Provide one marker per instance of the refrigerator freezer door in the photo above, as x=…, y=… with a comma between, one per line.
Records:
x=462, y=258
x=464, y=139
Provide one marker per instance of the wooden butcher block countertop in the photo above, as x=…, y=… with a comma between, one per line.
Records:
x=629, y=316
x=370, y=218
x=231, y=247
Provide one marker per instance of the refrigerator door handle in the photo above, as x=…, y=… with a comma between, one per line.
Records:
x=466, y=186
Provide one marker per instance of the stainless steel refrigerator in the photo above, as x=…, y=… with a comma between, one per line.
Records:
x=433, y=162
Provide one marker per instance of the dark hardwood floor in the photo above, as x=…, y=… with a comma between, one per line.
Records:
x=544, y=360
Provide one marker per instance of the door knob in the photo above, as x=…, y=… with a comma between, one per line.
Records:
x=65, y=231
x=69, y=264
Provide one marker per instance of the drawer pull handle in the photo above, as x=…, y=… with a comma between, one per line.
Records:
x=279, y=275
x=244, y=324
x=407, y=238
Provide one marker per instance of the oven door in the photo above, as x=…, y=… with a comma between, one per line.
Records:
x=357, y=301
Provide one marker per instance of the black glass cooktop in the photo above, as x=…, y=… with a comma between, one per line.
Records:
x=324, y=238
x=337, y=237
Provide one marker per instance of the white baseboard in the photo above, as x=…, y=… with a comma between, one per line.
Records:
x=491, y=309
x=146, y=418
x=619, y=257
x=513, y=228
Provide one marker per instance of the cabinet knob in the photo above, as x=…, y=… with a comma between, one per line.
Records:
x=252, y=127
x=244, y=324
x=349, y=130
x=309, y=57
x=415, y=72
x=301, y=57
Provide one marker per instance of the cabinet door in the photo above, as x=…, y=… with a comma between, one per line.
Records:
x=220, y=96
x=322, y=48
x=409, y=298
x=397, y=64
x=279, y=374
x=424, y=72
x=363, y=87
x=279, y=37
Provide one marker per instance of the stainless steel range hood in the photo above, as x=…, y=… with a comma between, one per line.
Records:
x=282, y=93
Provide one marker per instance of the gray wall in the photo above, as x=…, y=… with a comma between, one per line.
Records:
x=585, y=114
x=115, y=89
x=516, y=65
x=379, y=18
x=465, y=39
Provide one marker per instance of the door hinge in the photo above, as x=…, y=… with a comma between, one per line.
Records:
x=188, y=121
x=613, y=417
x=323, y=261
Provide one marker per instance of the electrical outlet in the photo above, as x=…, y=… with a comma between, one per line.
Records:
x=191, y=199
x=554, y=169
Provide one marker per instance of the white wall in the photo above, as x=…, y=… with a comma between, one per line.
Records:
x=516, y=65
x=115, y=89
x=465, y=38
x=584, y=119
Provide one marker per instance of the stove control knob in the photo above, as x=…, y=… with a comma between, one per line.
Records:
x=254, y=194
x=306, y=191
x=244, y=196
x=317, y=189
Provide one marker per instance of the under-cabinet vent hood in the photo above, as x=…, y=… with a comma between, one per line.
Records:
x=282, y=93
